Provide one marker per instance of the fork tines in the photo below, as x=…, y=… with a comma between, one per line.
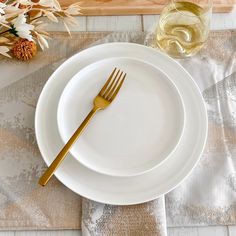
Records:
x=113, y=85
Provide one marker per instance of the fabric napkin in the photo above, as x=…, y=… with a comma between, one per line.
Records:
x=206, y=197
x=142, y=219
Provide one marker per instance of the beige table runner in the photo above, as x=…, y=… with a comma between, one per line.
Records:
x=207, y=197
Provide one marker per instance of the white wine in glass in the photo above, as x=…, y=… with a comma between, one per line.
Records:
x=184, y=27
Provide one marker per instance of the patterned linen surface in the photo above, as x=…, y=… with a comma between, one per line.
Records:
x=206, y=197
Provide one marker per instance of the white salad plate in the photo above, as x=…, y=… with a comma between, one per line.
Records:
x=112, y=189
x=137, y=132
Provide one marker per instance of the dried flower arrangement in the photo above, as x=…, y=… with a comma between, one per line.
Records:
x=22, y=27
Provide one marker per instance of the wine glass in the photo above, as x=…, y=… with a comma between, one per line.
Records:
x=183, y=27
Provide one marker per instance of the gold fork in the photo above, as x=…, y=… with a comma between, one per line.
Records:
x=100, y=102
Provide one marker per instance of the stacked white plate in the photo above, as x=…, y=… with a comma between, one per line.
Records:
x=143, y=145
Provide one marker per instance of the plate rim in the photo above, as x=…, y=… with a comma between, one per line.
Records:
x=197, y=90
x=179, y=136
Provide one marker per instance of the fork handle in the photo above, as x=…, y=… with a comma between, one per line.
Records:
x=62, y=154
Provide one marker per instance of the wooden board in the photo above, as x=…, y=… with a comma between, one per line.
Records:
x=135, y=7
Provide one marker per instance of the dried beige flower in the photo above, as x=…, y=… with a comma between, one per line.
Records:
x=42, y=40
x=4, y=51
x=50, y=16
x=21, y=28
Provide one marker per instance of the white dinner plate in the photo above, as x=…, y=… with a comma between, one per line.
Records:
x=126, y=190
x=137, y=132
